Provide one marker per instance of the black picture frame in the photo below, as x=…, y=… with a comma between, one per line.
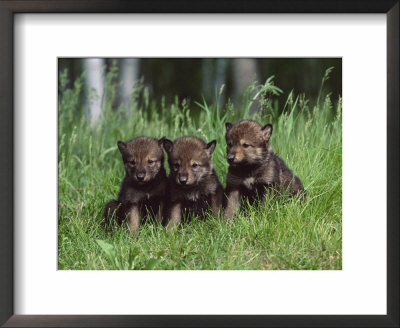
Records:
x=7, y=199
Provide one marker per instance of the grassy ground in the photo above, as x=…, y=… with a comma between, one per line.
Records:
x=278, y=234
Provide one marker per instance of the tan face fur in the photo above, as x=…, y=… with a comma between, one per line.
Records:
x=143, y=158
x=247, y=142
x=189, y=159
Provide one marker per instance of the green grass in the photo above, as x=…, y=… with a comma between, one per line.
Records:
x=277, y=234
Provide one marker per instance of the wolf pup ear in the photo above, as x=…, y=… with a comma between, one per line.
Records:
x=167, y=145
x=228, y=126
x=161, y=142
x=211, y=147
x=267, y=131
x=122, y=146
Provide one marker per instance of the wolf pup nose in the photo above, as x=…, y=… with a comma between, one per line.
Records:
x=193, y=185
x=231, y=158
x=253, y=166
x=140, y=176
x=144, y=184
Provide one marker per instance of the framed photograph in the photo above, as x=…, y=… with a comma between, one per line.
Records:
x=223, y=164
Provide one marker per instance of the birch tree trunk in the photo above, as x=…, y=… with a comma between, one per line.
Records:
x=95, y=88
x=129, y=73
x=244, y=71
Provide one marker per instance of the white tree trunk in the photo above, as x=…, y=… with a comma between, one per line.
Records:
x=129, y=73
x=95, y=84
x=244, y=72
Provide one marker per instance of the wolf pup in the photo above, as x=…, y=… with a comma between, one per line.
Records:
x=253, y=166
x=143, y=187
x=193, y=184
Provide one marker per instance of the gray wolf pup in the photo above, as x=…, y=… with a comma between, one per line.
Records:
x=253, y=166
x=193, y=186
x=143, y=187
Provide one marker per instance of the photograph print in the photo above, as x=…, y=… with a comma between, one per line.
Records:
x=199, y=163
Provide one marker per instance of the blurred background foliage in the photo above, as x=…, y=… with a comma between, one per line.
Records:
x=193, y=79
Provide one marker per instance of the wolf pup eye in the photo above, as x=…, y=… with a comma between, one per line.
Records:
x=245, y=145
x=132, y=163
x=150, y=161
x=176, y=166
x=194, y=165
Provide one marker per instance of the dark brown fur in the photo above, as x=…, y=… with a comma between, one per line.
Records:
x=193, y=185
x=254, y=167
x=143, y=187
